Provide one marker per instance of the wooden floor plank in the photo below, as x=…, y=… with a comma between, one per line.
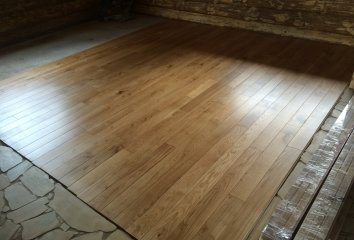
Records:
x=179, y=130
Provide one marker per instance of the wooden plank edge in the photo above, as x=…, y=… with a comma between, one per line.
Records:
x=334, y=193
x=279, y=226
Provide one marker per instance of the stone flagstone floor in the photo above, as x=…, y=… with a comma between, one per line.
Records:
x=34, y=206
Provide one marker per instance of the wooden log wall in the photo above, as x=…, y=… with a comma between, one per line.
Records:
x=330, y=20
x=23, y=18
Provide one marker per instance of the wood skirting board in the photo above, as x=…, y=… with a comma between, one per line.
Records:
x=256, y=26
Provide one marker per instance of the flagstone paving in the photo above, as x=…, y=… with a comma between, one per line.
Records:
x=35, y=206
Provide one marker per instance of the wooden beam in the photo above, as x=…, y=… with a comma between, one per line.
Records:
x=327, y=207
x=290, y=212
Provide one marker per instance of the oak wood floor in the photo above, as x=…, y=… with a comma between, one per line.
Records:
x=177, y=131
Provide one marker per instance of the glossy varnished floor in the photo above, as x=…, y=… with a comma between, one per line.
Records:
x=180, y=130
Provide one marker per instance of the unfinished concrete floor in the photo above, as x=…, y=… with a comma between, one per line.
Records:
x=26, y=55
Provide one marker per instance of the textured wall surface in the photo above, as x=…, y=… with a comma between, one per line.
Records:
x=22, y=18
x=330, y=17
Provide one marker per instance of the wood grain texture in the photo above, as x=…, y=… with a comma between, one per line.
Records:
x=179, y=130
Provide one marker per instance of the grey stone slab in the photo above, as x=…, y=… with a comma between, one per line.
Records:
x=2, y=201
x=73, y=232
x=4, y=181
x=37, y=181
x=316, y=141
x=65, y=227
x=340, y=106
x=17, y=171
x=37, y=226
x=90, y=236
x=50, y=196
x=290, y=179
x=8, y=230
x=119, y=235
x=77, y=214
x=57, y=234
x=328, y=123
x=8, y=158
x=341, y=102
x=347, y=95
x=2, y=219
x=18, y=196
x=28, y=211
x=335, y=113
x=306, y=157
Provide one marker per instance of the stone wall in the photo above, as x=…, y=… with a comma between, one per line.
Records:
x=23, y=18
x=319, y=19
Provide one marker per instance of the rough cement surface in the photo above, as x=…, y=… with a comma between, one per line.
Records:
x=48, y=48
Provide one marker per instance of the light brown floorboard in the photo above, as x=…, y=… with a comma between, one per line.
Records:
x=179, y=130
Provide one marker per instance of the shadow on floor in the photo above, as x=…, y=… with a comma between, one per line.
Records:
x=47, y=48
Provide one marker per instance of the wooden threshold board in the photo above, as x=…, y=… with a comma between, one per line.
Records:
x=320, y=221
x=308, y=209
x=179, y=130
